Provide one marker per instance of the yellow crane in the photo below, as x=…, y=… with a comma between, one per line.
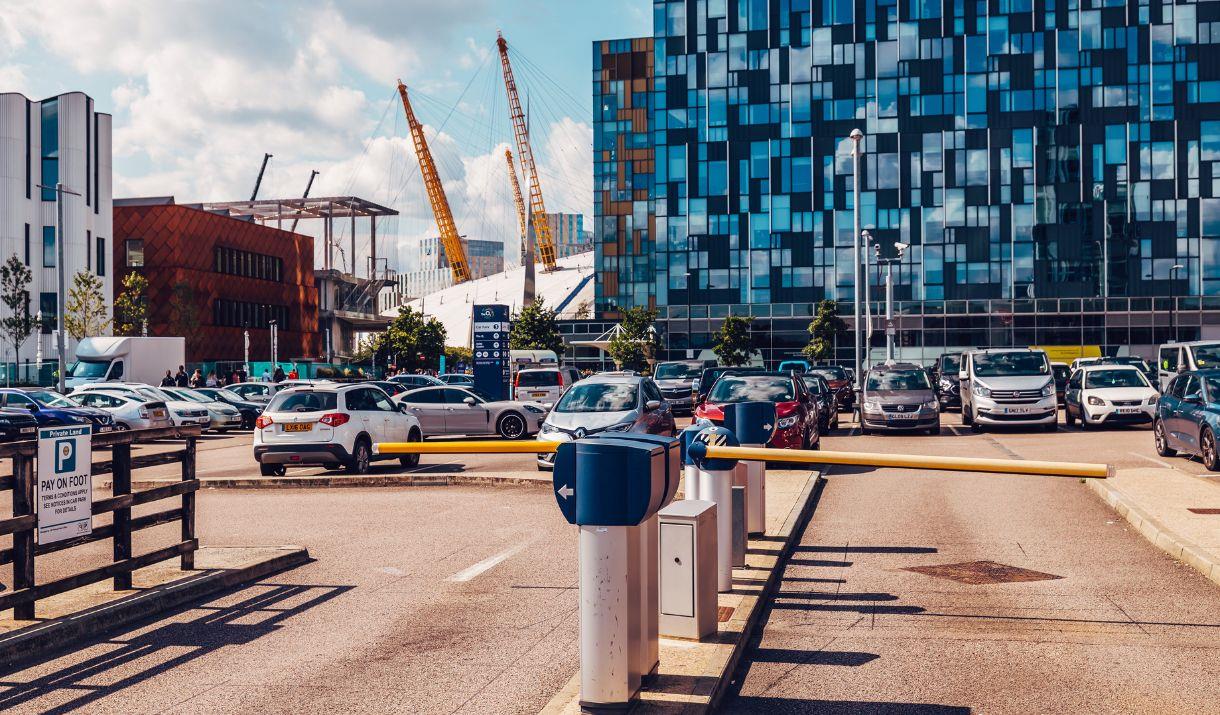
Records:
x=512, y=178
x=525, y=155
x=451, y=241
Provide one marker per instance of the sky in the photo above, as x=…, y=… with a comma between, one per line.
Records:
x=201, y=89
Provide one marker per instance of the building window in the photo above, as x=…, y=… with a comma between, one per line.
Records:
x=88, y=249
x=29, y=159
x=101, y=256
x=27, y=244
x=241, y=314
x=50, y=148
x=135, y=253
x=246, y=264
x=48, y=246
x=48, y=305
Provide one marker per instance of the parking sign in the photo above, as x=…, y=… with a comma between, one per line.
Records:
x=65, y=483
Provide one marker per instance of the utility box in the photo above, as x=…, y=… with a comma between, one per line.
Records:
x=688, y=569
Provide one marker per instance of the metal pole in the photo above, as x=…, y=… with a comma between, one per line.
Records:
x=889, y=310
x=856, y=136
x=59, y=269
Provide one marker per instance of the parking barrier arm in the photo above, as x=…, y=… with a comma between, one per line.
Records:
x=473, y=447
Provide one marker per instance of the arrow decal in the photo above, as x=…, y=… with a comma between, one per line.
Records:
x=767, y=427
x=566, y=491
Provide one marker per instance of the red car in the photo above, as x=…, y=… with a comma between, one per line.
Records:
x=795, y=408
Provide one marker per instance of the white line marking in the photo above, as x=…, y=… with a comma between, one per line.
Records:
x=1166, y=465
x=488, y=563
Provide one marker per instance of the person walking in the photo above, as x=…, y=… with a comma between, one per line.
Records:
x=168, y=380
x=197, y=378
x=266, y=375
x=211, y=381
x=279, y=374
x=181, y=380
x=293, y=374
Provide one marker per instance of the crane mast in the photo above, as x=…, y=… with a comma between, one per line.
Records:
x=512, y=178
x=542, y=228
x=451, y=241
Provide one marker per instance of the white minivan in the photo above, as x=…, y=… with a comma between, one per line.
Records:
x=1183, y=357
x=1008, y=386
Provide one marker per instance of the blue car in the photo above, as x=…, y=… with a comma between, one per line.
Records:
x=1188, y=417
x=51, y=409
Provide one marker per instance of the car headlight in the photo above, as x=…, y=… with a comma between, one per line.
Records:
x=980, y=389
x=620, y=427
x=547, y=429
x=786, y=422
x=1152, y=400
x=1096, y=401
x=872, y=405
x=1048, y=389
x=931, y=405
x=945, y=384
x=5, y=422
x=535, y=410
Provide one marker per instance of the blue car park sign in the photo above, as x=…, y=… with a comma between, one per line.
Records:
x=751, y=422
x=490, y=347
x=713, y=437
x=610, y=482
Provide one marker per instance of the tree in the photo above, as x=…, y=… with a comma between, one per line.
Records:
x=416, y=340
x=85, y=311
x=636, y=344
x=734, y=344
x=15, y=280
x=536, y=328
x=824, y=331
x=183, y=312
x=131, y=306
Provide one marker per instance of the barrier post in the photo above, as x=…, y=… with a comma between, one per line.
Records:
x=690, y=472
x=716, y=486
x=754, y=424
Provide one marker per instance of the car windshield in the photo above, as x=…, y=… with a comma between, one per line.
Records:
x=156, y=394
x=1015, y=364
x=303, y=402
x=227, y=394
x=906, y=380
x=1206, y=356
x=193, y=396
x=1135, y=362
x=676, y=371
x=88, y=368
x=1100, y=379
x=599, y=397
x=950, y=363
x=813, y=382
x=752, y=388
x=830, y=373
x=51, y=399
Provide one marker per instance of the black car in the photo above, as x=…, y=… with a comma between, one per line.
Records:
x=703, y=384
x=840, y=381
x=828, y=404
x=249, y=410
x=392, y=389
x=17, y=425
x=52, y=409
x=948, y=387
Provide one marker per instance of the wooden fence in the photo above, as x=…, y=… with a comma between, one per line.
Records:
x=24, y=523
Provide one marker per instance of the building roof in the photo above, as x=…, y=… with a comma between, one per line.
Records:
x=564, y=289
x=322, y=207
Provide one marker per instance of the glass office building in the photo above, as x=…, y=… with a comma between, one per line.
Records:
x=1050, y=163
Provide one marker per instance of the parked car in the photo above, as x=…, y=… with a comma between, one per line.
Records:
x=1062, y=374
x=51, y=409
x=1008, y=386
x=393, y=389
x=840, y=381
x=710, y=375
x=264, y=391
x=606, y=403
x=221, y=417
x=131, y=411
x=183, y=413
x=16, y=425
x=413, y=381
x=1188, y=417
x=331, y=425
x=1177, y=358
x=948, y=388
x=543, y=384
x=464, y=410
x=677, y=382
x=457, y=378
x=796, y=411
x=798, y=366
x=1101, y=394
x=1137, y=362
x=1082, y=361
x=827, y=399
x=248, y=409
x=899, y=397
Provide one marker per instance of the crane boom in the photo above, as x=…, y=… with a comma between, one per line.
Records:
x=542, y=228
x=512, y=178
x=451, y=242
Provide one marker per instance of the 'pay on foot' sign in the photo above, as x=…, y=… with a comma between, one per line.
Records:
x=65, y=483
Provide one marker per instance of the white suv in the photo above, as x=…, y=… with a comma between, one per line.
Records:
x=1008, y=386
x=331, y=425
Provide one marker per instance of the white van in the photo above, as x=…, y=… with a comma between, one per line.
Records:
x=1183, y=357
x=1008, y=386
x=135, y=359
x=543, y=384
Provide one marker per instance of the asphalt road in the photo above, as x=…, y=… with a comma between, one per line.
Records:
x=1112, y=626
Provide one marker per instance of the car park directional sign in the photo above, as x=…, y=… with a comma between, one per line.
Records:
x=490, y=347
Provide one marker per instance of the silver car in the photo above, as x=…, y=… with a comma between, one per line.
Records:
x=130, y=411
x=222, y=417
x=606, y=403
x=677, y=382
x=899, y=397
x=462, y=410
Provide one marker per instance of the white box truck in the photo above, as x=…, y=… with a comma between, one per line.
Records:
x=137, y=359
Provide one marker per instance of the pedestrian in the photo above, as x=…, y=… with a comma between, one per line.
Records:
x=266, y=375
x=234, y=378
x=168, y=380
x=181, y=380
x=197, y=378
x=211, y=381
x=278, y=376
x=293, y=374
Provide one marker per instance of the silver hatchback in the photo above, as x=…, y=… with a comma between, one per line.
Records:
x=606, y=403
x=899, y=397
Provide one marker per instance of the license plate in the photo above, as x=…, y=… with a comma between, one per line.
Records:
x=537, y=394
x=299, y=427
x=159, y=414
x=105, y=428
x=1018, y=410
x=27, y=430
x=1128, y=410
x=903, y=415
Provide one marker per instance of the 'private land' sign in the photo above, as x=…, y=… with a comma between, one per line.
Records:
x=65, y=483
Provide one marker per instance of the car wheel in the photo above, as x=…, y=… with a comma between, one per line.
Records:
x=119, y=426
x=359, y=463
x=967, y=417
x=1162, y=442
x=512, y=426
x=411, y=460
x=272, y=470
x=1084, y=421
x=1068, y=416
x=1052, y=427
x=1207, y=450
x=934, y=430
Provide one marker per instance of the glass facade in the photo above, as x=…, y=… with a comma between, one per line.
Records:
x=1026, y=150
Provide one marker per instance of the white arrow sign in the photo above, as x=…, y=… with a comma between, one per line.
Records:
x=565, y=491
x=766, y=427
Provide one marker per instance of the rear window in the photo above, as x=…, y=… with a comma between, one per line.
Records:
x=749, y=388
x=302, y=402
x=541, y=378
x=830, y=373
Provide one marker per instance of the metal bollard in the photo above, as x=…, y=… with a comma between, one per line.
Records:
x=716, y=486
x=690, y=472
x=754, y=424
x=739, y=526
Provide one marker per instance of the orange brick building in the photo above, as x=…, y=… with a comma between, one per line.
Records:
x=237, y=275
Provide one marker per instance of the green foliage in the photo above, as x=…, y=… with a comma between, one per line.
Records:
x=17, y=326
x=734, y=344
x=637, y=345
x=131, y=306
x=85, y=311
x=824, y=331
x=536, y=328
x=414, y=340
x=183, y=310
x=453, y=356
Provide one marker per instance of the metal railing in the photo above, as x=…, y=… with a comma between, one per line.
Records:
x=23, y=524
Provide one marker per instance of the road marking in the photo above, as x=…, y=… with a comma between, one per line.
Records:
x=488, y=563
x=1164, y=464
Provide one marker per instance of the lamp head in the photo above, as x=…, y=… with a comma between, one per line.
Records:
x=856, y=135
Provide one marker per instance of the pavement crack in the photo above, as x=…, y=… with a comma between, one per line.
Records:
x=1123, y=611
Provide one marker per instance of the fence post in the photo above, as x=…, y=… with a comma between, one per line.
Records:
x=121, y=484
x=188, y=503
x=23, y=541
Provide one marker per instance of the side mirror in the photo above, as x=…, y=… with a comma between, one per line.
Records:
x=469, y=401
x=1181, y=369
x=652, y=405
x=963, y=375
x=402, y=407
x=1194, y=398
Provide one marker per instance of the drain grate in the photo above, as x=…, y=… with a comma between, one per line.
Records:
x=982, y=573
x=1208, y=512
x=724, y=613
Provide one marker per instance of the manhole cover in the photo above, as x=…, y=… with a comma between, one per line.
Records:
x=1209, y=512
x=724, y=613
x=981, y=573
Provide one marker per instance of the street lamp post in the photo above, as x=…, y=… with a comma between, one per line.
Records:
x=856, y=136
x=274, y=345
x=866, y=239
x=889, y=293
x=61, y=343
x=38, y=350
x=1173, y=301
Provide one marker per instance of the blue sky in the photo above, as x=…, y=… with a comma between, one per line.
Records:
x=200, y=90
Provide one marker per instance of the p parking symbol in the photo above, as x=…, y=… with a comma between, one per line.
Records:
x=65, y=456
